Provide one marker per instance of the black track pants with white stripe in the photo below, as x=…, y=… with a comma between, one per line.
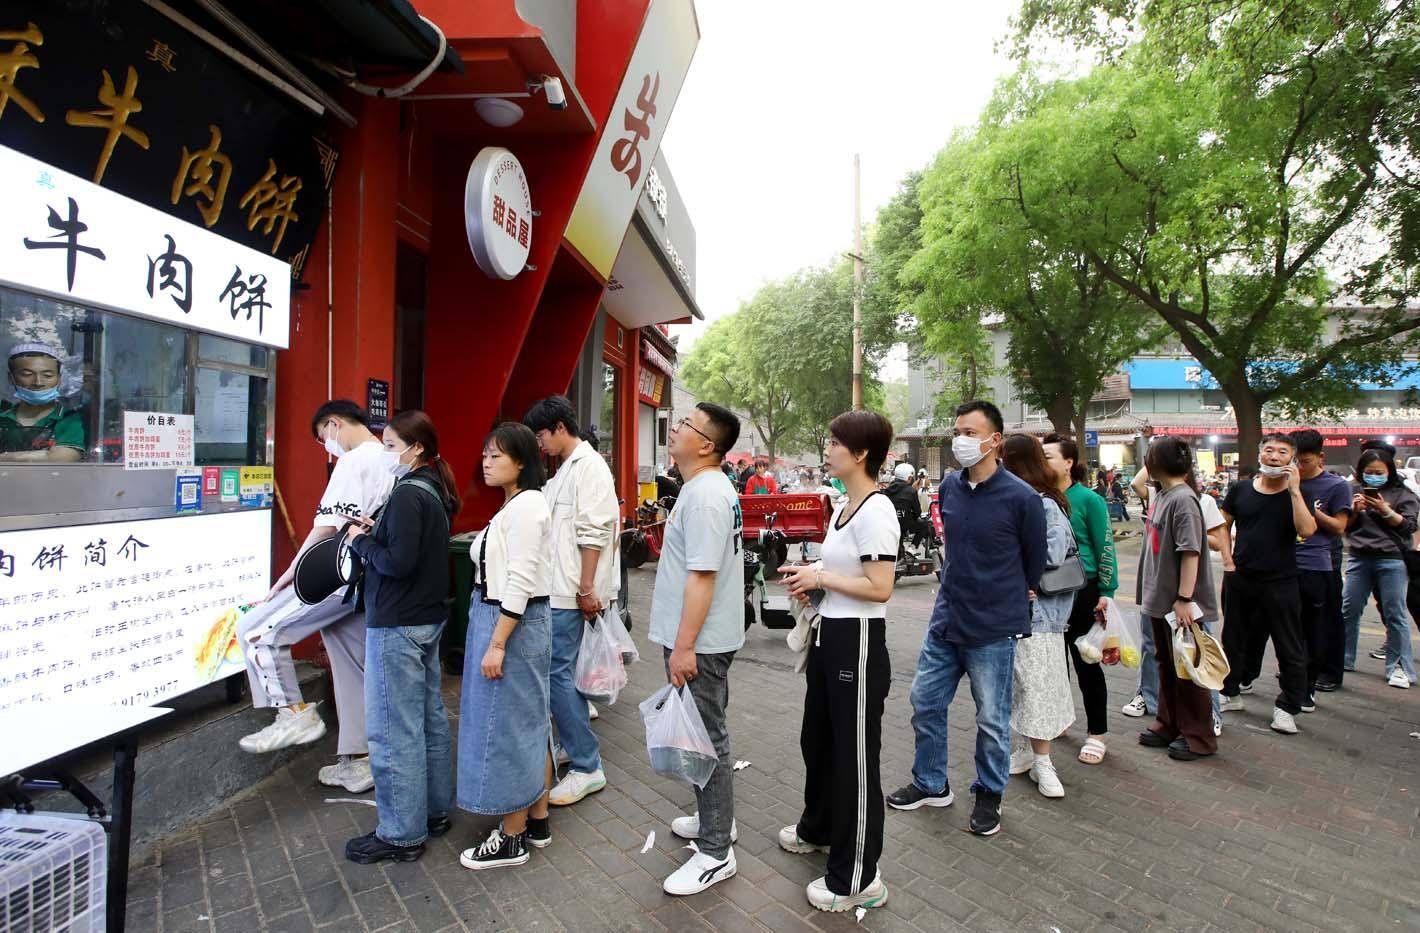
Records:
x=848, y=677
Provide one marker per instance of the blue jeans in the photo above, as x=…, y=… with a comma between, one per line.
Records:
x=940, y=667
x=569, y=708
x=1149, y=668
x=1387, y=578
x=408, y=730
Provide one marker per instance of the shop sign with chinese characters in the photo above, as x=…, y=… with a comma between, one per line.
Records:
x=65, y=237
x=155, y=440
x=120, y=95
x=127, y=612
x=498, y=213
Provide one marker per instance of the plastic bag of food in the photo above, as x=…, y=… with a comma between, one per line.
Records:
x=1113, y=639
x=611, y=618
x=600, y=672
x=676, y=738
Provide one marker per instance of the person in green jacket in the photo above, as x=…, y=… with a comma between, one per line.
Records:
x=1089, y=519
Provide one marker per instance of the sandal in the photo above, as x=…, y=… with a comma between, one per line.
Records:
x=1092, y=752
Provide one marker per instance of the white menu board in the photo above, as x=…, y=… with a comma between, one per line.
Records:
x=128, y=613
x=156, y=440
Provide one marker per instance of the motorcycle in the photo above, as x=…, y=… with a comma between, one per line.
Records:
x=919, y=553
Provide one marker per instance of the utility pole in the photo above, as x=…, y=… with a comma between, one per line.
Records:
x=857, y=287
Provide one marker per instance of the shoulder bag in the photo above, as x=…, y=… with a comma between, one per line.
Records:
x=1066, y=577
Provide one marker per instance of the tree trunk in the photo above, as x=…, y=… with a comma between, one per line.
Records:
x=973, y=379
x=1061, y=412
x=1247, y=411
x=1080, y=415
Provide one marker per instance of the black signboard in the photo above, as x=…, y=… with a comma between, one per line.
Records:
x=377, y=403
x=115, y=92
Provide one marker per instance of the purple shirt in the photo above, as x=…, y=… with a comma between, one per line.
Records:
x=1327, y=493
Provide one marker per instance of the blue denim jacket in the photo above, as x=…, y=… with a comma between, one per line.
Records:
x=1052, y=613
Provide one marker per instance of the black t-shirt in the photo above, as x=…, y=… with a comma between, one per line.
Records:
x=1266, y=545
x=906, y=504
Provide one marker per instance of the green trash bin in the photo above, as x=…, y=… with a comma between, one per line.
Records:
x=456, y=631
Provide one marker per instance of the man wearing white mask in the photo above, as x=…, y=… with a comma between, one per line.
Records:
x=358, y=486
x=995, y=554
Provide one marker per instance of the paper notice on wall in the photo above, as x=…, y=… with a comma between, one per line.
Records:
x=223, y=402
x=156, y=440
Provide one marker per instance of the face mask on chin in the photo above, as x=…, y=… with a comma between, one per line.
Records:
x=1272, y=471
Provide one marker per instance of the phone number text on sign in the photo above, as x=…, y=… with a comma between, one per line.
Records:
x=127, y=612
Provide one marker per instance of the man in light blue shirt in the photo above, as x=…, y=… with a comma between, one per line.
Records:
x=698, y=618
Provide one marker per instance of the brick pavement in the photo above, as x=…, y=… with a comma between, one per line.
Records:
x=1310, y=832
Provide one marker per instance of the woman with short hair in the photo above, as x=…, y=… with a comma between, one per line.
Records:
x=505, y=734
x=848, y=673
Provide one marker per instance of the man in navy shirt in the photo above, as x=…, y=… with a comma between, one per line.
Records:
x=1330, y=498
x=995, y=554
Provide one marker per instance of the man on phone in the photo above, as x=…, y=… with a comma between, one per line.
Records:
x=1330, y=499
x=1270, y=514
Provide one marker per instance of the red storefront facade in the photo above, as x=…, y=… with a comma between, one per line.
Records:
x=393, y=293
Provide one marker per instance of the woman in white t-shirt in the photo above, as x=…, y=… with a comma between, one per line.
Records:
x=848, y=673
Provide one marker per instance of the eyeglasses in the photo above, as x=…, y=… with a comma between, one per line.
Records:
x=685, y=423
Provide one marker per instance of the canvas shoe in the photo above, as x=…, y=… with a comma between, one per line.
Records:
x=699, y=872
x=1283, y=722
x=289, y=728
x=1042, y=771
x=789, y=841
x=1398, y=678
x=539, y=832
x=1217, y=725
x=1309, y=704
x=1229, y=704
x=874, y=895
x=1021, y=760
x=497, y=851
x=575, y=786
x=1135, y=707
x=688, y=827
x=911, y=797
x=349, y=772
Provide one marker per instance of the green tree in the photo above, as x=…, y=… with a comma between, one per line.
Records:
x=1241, y=169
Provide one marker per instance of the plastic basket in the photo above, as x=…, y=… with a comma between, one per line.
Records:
x=53, y=874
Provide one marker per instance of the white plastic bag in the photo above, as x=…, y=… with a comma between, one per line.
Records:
x=611, y=618
x=600, y=673
x=1115, y=640
x=676, y=738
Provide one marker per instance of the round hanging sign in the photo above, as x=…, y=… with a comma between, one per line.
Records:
x=498, y=214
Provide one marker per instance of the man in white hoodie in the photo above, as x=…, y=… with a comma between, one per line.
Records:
x=585, y=577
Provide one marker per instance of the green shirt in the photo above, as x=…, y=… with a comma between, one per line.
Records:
x=1089, y=519
x=60, y=427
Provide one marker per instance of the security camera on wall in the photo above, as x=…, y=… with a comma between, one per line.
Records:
x=556, y=96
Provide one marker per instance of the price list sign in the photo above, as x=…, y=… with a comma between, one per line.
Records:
x=155, y=440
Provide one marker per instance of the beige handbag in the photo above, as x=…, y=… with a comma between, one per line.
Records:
x=1198, y=657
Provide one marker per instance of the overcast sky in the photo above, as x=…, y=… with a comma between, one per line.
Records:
x=780, y=96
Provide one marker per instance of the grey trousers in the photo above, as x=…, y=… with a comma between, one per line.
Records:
x=266, y=635
x=716, y=800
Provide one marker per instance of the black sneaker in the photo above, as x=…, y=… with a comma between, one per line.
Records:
x=986, y=815
x=369, y=849
x=496, y=851
x=440, y=826
x=1179, y=751
x=1309, y=704
x=1152, y=739
x=1327, y=686
x=911, y=797
x=539, y=832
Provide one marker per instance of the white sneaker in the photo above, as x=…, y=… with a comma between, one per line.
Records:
x=699, y=872
x=1229, y=704
x=1042, y=771
x=1135, y=707
x=688, y=827
x=349, y=772
x=1021, y=760
x=592, y=711
x=874, y=895
x=1398, y=678
x=789, y=841
x=1217, y=725
x=562, y=758
x=1284, y=722
x=1245, y=688
x=289, y=728
x=575, y=786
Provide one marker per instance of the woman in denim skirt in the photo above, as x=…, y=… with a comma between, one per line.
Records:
x=505, y=753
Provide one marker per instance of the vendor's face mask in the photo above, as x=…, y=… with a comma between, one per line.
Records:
x=37, y=396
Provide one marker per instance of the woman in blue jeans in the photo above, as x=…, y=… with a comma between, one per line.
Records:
x=1383, y=521
x=406, y=580
x=505, y=733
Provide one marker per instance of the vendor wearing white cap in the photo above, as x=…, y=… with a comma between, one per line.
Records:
x=36, y=426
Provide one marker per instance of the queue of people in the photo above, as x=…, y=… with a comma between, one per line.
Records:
x=1029, y=566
